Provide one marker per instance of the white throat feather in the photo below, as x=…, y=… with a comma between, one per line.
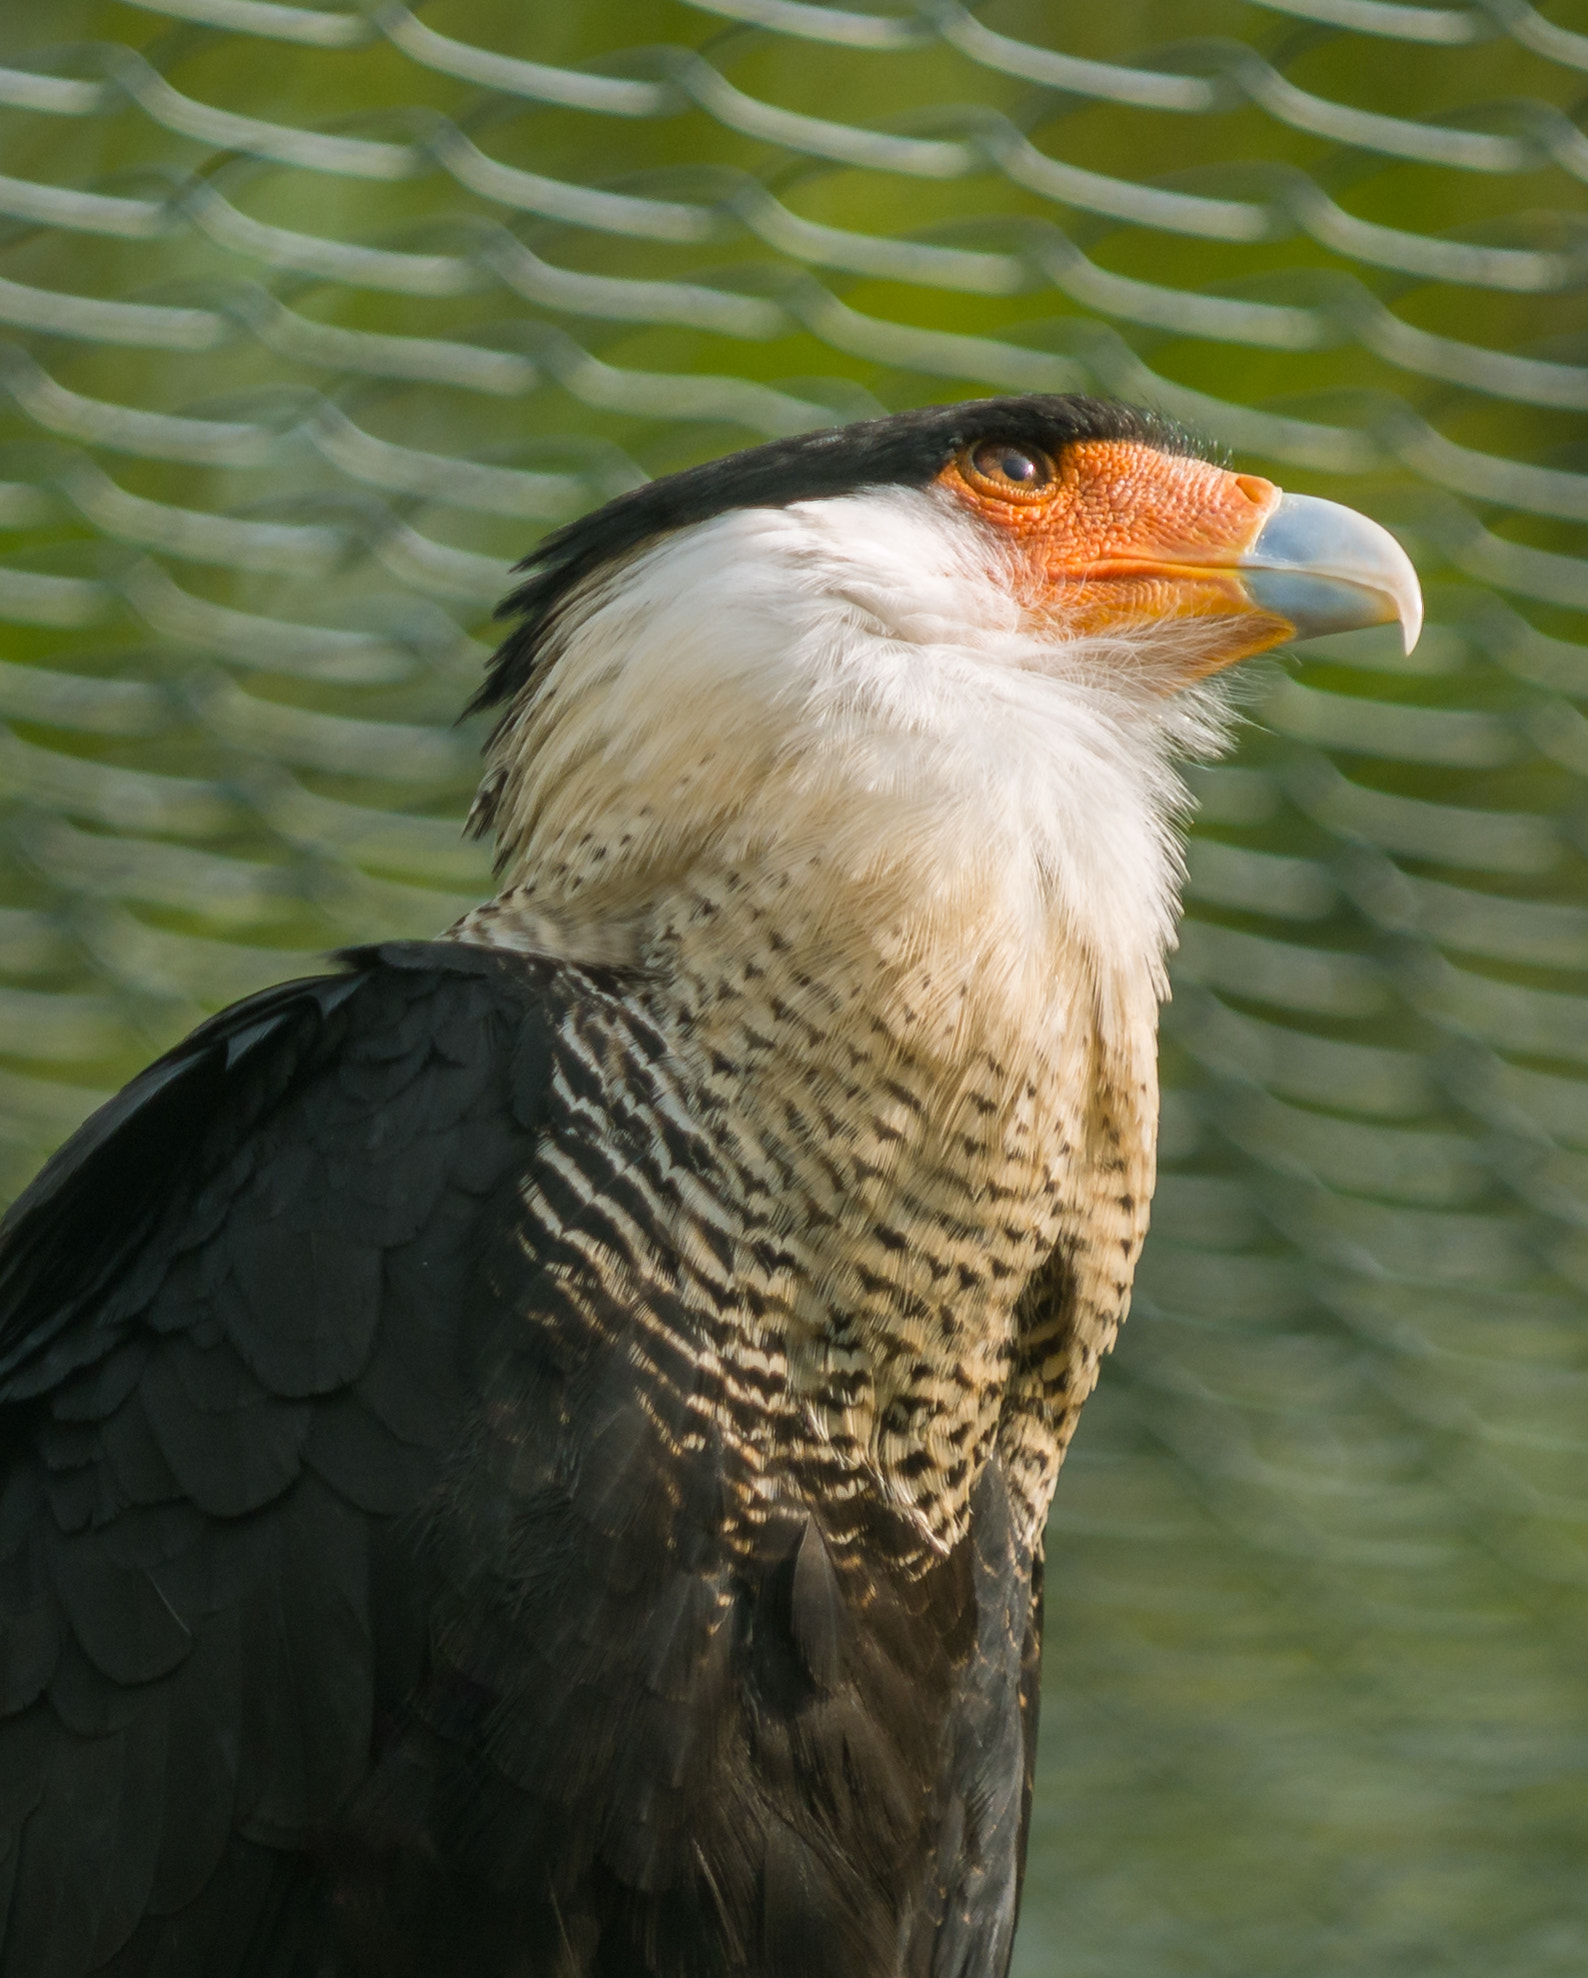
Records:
x=849, y=695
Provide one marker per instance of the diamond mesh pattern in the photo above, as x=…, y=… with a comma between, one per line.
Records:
x=311, y=318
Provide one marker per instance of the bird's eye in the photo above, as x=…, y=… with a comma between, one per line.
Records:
x=1009, y=470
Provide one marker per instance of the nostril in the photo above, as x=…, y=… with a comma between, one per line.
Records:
x=1254, y=487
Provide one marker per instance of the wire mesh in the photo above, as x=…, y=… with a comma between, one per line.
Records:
x=313, y=317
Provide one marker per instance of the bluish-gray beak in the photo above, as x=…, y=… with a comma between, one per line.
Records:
x=1324, y=568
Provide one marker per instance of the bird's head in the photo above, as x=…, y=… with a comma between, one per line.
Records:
x=950, y=654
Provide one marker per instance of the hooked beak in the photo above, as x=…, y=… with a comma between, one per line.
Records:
x=1324, y=568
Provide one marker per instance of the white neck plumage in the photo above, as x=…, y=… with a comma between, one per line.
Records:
x=845, y=699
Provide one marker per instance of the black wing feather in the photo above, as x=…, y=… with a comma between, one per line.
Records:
x=229, y=1357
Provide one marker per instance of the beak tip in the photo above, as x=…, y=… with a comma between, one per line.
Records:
x=1411, y=617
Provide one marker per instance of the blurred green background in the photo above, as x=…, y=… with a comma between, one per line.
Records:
x=312, y=318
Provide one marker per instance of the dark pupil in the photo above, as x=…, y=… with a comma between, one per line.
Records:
x=1010, y=463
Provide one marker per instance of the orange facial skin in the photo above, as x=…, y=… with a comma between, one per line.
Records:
x=1120, y=535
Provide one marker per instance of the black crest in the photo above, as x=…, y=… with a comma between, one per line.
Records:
x=906, y=449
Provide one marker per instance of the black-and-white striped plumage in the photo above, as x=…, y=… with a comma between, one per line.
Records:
x=526, y=1457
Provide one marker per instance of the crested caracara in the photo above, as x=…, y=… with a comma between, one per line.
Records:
x=526, y=1457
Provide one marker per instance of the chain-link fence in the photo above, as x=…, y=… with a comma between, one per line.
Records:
x=314, y=316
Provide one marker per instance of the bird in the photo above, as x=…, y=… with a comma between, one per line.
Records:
x=525, y=1454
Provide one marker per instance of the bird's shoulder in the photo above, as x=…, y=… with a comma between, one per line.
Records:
x=341, y=1108
x=234, y=1331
